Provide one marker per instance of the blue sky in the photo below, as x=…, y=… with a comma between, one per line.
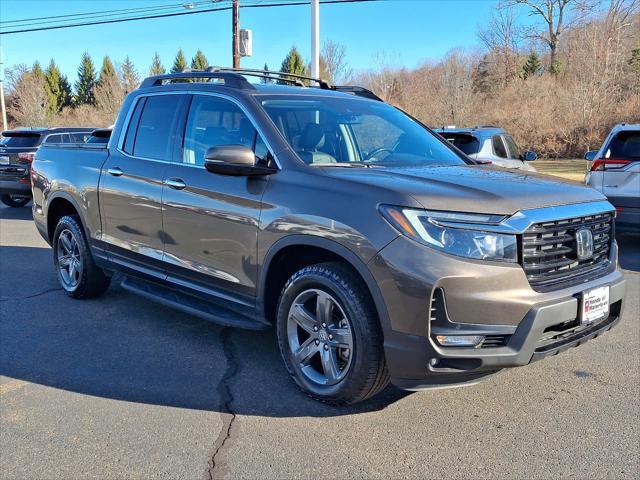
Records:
x=407, y=31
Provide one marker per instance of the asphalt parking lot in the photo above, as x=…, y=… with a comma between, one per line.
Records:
x=120, y=387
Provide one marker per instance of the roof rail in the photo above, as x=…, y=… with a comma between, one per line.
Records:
x=234, y=77
x=282, y=76
x=487, y=126
x=358, y=91
x=230, y=79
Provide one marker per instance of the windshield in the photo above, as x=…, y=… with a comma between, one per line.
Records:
x=23, y=140
x=355, y=132
x=469, y=144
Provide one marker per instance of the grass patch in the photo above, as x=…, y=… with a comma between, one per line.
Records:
x=571, y=169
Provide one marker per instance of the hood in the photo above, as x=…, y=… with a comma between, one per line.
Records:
x=476, y=189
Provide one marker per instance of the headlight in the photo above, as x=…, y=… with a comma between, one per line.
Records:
x=433, y=229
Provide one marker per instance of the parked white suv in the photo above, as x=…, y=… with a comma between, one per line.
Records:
x=615, y=171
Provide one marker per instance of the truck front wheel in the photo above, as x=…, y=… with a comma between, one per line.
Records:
x=329, y=335
x=78, y=274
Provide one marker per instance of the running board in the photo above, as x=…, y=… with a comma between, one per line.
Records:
x=192, y=305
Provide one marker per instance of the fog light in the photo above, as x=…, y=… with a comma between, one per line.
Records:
x=460, y=340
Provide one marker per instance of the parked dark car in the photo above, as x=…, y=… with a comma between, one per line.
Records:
x=17, y=149
x=489, y=145
x=377, y=250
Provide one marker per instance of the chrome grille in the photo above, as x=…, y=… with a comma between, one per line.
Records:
x=549, y=256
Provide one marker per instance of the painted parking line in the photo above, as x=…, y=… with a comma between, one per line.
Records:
x=11, y=386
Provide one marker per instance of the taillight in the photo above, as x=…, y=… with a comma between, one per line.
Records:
x=602, y=164
x=27, y=157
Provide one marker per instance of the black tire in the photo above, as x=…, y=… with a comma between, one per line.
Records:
x=366, y=372
x=14, y=201
x=89, y=280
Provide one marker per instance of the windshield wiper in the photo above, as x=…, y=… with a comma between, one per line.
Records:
x=347, y=165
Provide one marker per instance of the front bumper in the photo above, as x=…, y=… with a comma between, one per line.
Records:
x=480, y=299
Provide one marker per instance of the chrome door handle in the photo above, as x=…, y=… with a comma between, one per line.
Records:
x=115, y=171
x=175, y=183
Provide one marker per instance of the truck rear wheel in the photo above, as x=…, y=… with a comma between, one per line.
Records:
x=329, y=335
x=78, y=274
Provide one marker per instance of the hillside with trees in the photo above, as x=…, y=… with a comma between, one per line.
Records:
x=557, y=74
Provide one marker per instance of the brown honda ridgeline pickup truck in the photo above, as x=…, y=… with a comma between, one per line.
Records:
x=378, y=251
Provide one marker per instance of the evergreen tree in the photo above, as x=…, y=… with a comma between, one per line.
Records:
x=293, y=63
x=481, y=76
x=266, y=81
x=532, y=66
x=199, y=62
x=156, y=66
x=37, y=70
x=130, y=77
x=180, y=62
x=86, y=81
x=107, y=71
x=58, y=88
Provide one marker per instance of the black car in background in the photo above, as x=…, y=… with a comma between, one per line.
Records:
x=17, y=149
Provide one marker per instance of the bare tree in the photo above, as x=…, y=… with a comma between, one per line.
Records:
x=29, y=102
x=109, y=95
x=333, y=64
x=501, y=38
x=555, y=16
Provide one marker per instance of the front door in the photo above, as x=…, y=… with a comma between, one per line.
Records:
x=211, y=220
x=131, y=185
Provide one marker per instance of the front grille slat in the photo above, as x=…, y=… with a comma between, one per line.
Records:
x=549, y=256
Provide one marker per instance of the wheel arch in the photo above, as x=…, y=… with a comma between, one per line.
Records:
x=317, y=249
x=59, y=205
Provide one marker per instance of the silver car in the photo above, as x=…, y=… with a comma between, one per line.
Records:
x=615, y=171
x=491, y=145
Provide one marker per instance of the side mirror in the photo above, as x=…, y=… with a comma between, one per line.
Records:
x=234, y=160
x=591, y=155
x=529, y=156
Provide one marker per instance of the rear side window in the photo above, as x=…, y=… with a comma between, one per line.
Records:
x=498, y=146
x=467, y=143
x=625, y=146
x=156, y=129
x=20, y=140
x=212, y=122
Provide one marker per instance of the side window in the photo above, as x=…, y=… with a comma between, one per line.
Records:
x=214, y=121
x=130, y=136
x=498, y=146
x=514, y=150
x=156, y=129
x=57, y=138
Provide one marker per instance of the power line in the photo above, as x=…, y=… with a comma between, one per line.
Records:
x=103, y=21
x=104, y=12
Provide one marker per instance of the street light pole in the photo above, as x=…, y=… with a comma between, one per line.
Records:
x=236, y=33
x=315, y=38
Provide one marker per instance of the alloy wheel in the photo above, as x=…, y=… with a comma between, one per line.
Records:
x=320, y=337
x=69, y=260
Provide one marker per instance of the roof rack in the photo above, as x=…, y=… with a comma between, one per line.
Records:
x=234, y=77
x=230, y=79
x=276, y=75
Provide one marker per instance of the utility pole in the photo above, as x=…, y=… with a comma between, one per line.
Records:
x=315, y=38
x=2, y=105
x=236, y=33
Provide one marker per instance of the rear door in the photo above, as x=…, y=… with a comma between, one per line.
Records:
x=621, y=175
x=131, y=183
x=210, y=220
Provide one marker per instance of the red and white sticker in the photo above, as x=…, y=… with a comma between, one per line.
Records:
x=595, y=304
